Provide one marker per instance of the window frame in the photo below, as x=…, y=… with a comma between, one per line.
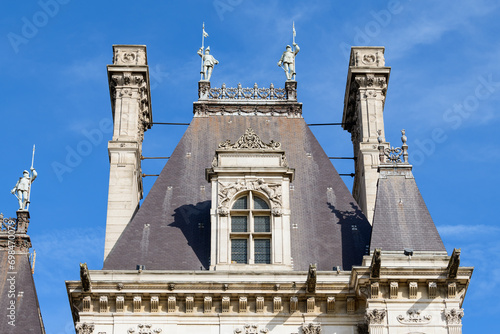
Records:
x=251, y=235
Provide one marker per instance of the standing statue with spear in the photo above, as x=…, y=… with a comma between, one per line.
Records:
x=22, y=189
x=207, y=60
x=287, y=60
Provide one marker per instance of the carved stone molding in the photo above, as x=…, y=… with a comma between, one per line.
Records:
x=250, y=329
x=414, y=317
x=87, y=301
x=311, y=328
x=375, y=316
x=103, y=304
x=370, y=80
x=330, y=304
x=228, y=190
x=454, y=316
x=412, y=290
x=204, y=108
x=120, y=301
x=171, y=303
x=144, y=329
x=207, y=304
x=155, y=302
x=226, y=301
x=277, y=305
x=84, y=328
x=250, y=140
x=137, y=302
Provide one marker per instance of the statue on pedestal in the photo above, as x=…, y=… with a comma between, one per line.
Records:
x=288, y=61
x=208, y=63
x=22, y=188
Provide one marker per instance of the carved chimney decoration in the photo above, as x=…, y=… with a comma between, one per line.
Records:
x=363, y=118
x=129, y=89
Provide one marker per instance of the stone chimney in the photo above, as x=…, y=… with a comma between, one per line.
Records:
x=131, y=107
x=363, y=117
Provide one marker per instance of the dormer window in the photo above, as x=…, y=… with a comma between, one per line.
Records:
x=250, y=214
x=250, y=230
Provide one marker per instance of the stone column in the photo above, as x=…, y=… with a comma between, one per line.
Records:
x=132, y=116
x=363, y=117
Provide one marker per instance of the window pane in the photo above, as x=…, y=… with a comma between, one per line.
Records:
x=262, y=251
x=262, y=224
x=238, y=224
x=260, y=204
x=240, y=203
x=239, y=250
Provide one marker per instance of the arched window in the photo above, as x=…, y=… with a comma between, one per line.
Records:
x=251, y=230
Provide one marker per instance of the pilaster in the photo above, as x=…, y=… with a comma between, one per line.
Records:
x=366, y=88
x=132, y=116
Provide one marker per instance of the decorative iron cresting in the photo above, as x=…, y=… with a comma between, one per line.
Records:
x=254, y=93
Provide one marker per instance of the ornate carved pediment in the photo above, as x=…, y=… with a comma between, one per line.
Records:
x=228, y=190
x=414, y=317
x=250, y=140
x=250, y=329
x=144, y=329
x=311, y=328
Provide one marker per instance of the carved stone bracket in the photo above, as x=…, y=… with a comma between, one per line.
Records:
x=414, y=317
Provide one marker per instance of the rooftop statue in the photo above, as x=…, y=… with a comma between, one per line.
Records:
x=287, y=61
x=208, y=63
x=22, y=188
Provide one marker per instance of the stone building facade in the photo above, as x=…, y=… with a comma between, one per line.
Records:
x=250, y=229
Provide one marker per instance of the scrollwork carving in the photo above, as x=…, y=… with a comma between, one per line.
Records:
x=414, y=316
x=250, y=329
x=144, y=329
x=228, y=190
x=250, y=140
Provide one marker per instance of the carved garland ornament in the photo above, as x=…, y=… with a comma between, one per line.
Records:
x=250, y=140
x=413, y=317
x=144, y=329
x=250, y=329
x=84, y=328
x=228, y=190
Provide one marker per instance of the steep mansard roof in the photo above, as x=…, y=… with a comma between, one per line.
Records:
x=27, y=314
x=401, y=218
x=171, y=230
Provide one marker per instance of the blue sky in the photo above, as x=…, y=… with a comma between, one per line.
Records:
x=444, y=90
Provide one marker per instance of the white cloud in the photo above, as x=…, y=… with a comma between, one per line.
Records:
x=467, y=231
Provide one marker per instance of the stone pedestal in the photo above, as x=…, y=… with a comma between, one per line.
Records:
x=203, y=90
x=23, y=221
x=291, y=90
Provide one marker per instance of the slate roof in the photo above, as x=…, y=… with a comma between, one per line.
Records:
x=27, y=314
x=401, y=219
x=171, y=230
